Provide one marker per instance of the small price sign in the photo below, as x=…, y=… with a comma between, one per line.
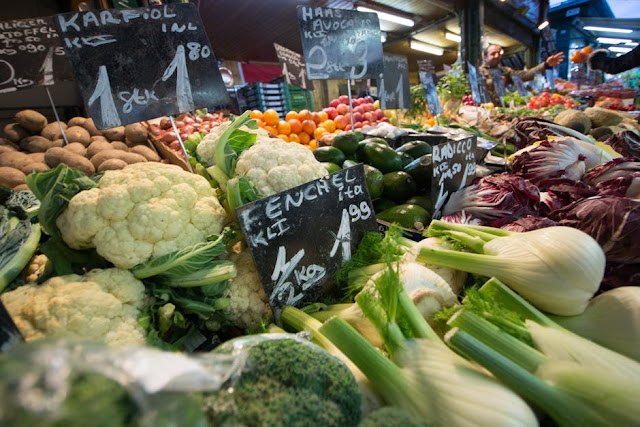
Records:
x=498, y=83
x=295, y=254
x=293, y=67
x=340, y=43
x=138, y=64
x=430, y=92
x=551, y=81
x=394, y=89
x=519, y=84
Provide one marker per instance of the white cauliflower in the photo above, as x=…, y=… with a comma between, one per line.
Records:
x=142, y=211
x=275, y=165
x=248, y=304
x=102, y=304
x=207, y=147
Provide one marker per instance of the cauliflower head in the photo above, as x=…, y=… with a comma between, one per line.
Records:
x=275, y=165
x=102, y=304
x=207, y=147
x=248, y=302
x=142, y=211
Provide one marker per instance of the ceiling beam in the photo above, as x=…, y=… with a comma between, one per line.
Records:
x=501, y=20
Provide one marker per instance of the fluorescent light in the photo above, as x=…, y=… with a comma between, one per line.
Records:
x=619, y=49
x=388, y=17
x=543, y=25
x=633, y=44
x=607, y=29
x=453, y=37
x=423, y=47
x=607, y=40
x=383, y=36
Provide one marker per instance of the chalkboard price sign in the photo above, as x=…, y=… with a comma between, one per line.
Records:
x=299, y=238
x=482, y=86
x=31, y=55
x=293, y=67
x=430, y=92
x=473, y=82
x=138, y=64
x=551, y=81
x=340, y=43
x=519, y=84
x=498, y=83
x=394, y=90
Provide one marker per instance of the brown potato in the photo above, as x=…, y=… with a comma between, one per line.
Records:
x=6, y=149
x=112, y=164
x=36, y=157
x=34, y=167
x=21, y=187
x=56, y=155
x=78, y=134
x=147, y=152
x=77, y=121
x=135, y=133
x=31, y=120
x=77, y=148
x=4, y=142
x=14, y=159
x=36, y=144
x=114, y=134
x=119, y=145
x=15, y=132
x=130, y=158
x=99, y=138
x=11, y=177
x=52, y=131
x=96, y=147
x=91, y=127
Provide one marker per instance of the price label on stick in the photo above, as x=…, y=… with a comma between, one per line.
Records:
x=473, y=82
x=293, y=67
x=295, y=254
x=498, y=83
x=137, y=64
x=430, y=92
x=31, y=55
x=340, y=43
x=519, y=84
x=482, y=87
x=394, y=90
x=551, y=81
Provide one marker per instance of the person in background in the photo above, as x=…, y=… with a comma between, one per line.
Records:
x=492, y=58
x=599, y=60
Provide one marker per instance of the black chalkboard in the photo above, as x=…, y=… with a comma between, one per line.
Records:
x=138, y=64
x=498, y=83
x=340, y=43
x=430, y=92
x=473, y=82
x=551, y=81
x=519, y=84
x=9, y=333
x=394, y=90
x=482, y=87
x=31, y=55
x=299, y=238
x=293, y=68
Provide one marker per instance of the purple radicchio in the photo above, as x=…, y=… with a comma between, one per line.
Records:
x=530, y=129
x=494, y=200
x=559, y=158
x=619, y=177
x=627, y=143
x=616, y=275
x=529, y=223
x=613, y=221
x=556, y=193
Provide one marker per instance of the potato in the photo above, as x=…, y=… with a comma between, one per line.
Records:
x=91, y=127
x=15, y=132
x=78, y=134
x=6, y=149
x=98, y=138
x=31, y=120
x=96, y=147
x=114, y=134
x=130, y=158
x=21, y=187
x=146, y=152
x=77, y=148
x=4, y=142
x=14, y=159
x=52, y=131
x=36, y=144
x=56, y=155
x=135, y=133
x=77, y=121
x=112, y=164
x=34, y=167
x=119, y=145
x=11, y=177
x=36, y=157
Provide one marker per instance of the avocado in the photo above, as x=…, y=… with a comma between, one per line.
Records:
x=331, y=167
x=375, y=181
x=382, y=157
x=329, y=154
x=406, y=215
x=347, y=142
x=415, y=148
x=399, y=186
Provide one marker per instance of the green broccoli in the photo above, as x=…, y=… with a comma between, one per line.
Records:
x=287, y=382
x=392, y=416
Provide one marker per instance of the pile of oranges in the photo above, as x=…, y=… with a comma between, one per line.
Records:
x=304, y=127
x=582, y=55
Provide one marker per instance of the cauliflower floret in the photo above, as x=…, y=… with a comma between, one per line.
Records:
x=248, y=301
x=275, y=166
x=207, y=147
x=142, y=211
x=102, y=304
x=34, y=269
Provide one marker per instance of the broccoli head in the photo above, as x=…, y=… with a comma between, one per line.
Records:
x=393, y=416
x=286, y=382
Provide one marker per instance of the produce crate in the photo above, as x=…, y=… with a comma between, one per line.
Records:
x=264, y=96
x=298, y=98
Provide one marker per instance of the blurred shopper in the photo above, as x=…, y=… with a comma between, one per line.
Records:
x=599, y=60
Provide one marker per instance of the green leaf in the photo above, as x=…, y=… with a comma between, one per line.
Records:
x=65, y=260
x=224, y=154
x=240, y=140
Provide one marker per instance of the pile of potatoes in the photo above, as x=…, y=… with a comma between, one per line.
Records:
x=33, y=145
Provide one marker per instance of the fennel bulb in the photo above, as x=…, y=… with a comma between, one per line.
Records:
x=612, y=319
x=455, y=278
x=557, y=269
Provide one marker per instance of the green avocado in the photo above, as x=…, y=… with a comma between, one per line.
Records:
x=329, y=154
x=399, y=186
x=405, y=215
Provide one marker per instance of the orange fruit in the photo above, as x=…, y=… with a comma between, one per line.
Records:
x=271, y=129
x=323, y=116
x=319, y=132
x=292, y=115
x=256, y=114
x=284, y=137
x=284, y=128
x=304, y=138
x=304, y=115
x=294, y=137
x=587, y=50
x=296, y=126
x=329, y=125
x=316, y=118
x=313, y=144
x=271, y=117
x=260, y=123
x=309, y=127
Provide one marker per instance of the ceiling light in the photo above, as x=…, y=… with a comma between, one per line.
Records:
x=607, y=29
x=607, y=40
x=388, y=17
x=543, y=25
x=452, y=36
x=633, y=44
x=383, y=36
x=620, y=49
x=423, y=47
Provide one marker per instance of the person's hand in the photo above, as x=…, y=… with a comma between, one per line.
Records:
x=554, y=60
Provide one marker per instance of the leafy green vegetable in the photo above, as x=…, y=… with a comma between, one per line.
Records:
x=64, y=260
x=367, y=253
x=231, y=140
x=454, y=84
